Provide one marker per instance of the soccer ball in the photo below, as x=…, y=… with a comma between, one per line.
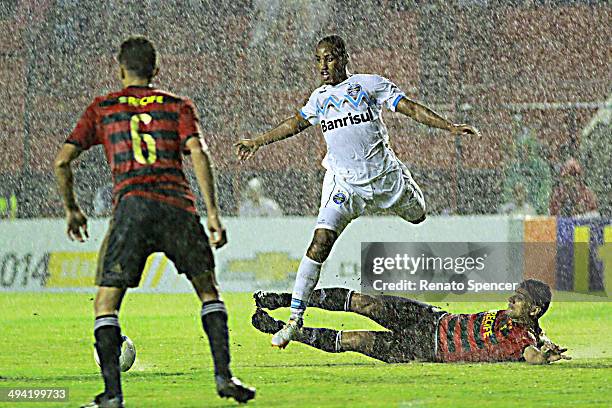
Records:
x=128, y=354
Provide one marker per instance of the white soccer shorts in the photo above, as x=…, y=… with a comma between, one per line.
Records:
x=342, y=202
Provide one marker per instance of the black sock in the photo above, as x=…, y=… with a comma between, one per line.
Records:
x=334, y=299
x=214, y=321
x=322, y=339
x=108, y=345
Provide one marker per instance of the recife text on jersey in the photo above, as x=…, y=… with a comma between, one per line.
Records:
x=349, y=119
x=144, y=101
x=487, y=324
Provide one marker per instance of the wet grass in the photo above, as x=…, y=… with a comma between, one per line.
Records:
x=46, y=341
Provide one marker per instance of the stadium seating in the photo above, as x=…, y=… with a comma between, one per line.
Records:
x=475, y=64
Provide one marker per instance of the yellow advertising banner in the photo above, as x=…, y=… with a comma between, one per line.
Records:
x=72, y=269
x=78, y=269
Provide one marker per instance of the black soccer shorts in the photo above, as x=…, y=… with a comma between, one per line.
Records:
x=413, y=329
x=140, y=227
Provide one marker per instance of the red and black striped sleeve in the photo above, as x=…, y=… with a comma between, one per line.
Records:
x=84, y=134
x=189, y=125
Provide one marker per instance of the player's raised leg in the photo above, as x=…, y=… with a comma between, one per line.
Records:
x=305, y=282
x=410, y=204
x=339, y=206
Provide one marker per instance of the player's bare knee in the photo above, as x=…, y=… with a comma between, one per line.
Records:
x=321, y=245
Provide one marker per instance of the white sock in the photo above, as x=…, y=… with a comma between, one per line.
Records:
x=339, y=342
x=347, y=302
x=305, y=282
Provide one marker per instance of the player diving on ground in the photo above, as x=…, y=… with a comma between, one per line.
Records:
x=363, y=172
x=418, y=331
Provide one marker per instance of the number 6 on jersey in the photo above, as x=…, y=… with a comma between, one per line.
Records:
x=137, y=139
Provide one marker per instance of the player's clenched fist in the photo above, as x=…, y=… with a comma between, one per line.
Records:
x=246, y=148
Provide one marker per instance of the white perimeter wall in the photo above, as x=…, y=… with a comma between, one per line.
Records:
x=262, y=253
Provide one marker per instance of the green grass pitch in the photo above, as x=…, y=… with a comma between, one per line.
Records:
x=46, y=341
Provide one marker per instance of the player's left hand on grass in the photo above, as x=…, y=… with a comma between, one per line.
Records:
x=77, y=225
x=218, y=236
x=464, y=129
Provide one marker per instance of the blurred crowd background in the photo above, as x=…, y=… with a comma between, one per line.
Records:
x=533, y=76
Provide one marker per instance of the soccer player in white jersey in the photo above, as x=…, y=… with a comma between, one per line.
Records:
x=363, y=172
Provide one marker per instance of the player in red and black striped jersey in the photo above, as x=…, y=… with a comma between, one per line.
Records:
x=418, y=331
x=145, y=131
x=484, y=336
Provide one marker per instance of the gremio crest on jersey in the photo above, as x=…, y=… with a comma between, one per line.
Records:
x=353, y=90
x=339, y=198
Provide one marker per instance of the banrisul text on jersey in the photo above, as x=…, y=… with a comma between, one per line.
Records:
x=350, y=115
x=348, y=120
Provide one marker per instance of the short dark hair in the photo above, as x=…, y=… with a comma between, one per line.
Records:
x=539, y=292
x=337, y=42
x=138, y=55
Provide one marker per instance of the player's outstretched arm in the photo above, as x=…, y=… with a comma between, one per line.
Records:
x=203, y=171
x=76, y=220
x=246, y=148
x=426, y=116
